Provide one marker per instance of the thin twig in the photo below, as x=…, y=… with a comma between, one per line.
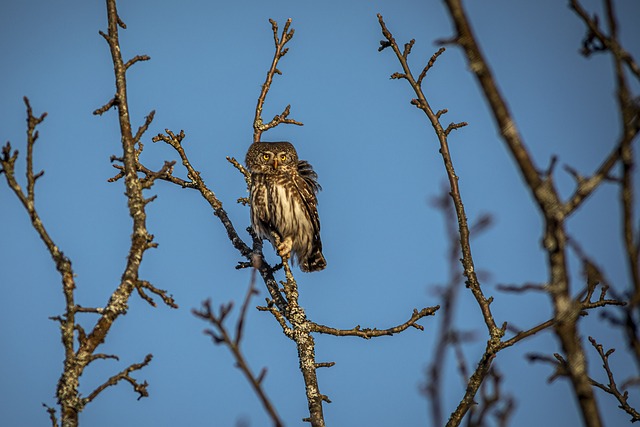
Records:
x=612, y=387
x=368, y=333
x=140, y=388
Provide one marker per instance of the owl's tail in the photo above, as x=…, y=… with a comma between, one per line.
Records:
x=314, y=262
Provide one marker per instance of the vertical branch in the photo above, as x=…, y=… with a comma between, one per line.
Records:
x=630, y=115
x=301, y=335
x=141, y=240
x=258, y=125
x=285, y=308
x=433, y=388
x=301, y=327
x=76, y=361
x=448, y=336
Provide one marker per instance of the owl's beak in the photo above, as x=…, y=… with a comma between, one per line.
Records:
x=275, y=163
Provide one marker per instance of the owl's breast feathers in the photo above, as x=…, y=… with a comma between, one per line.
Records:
x=285, y=203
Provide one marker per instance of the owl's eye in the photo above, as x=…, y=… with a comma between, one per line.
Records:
x=283, y=157
x=265, y=156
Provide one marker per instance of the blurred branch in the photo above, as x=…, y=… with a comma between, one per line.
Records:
x=221, y=335
x=585, y=187
x=447, y=334
x=596, y=40
x=562, y=369
x=596, y=35
x=543, y=191
x=492, y=402
x=526, y=287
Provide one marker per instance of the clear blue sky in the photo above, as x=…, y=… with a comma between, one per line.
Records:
x=377, y=160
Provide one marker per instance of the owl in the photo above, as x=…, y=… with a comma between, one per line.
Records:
x=283, y=203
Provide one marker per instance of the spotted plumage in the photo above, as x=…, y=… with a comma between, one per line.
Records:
x=284, y=204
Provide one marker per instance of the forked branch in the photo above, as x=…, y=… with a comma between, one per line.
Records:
x=280, y=41
x=221, y=335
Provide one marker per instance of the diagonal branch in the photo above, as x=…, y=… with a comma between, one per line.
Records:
x=586, y=186
x=222, y=336
x=612, y=387
x=140, y=388
x=441, y=133
x=196, y=182
x=472, y=282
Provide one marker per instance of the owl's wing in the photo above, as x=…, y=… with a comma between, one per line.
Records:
x=307, y=186
x=306, y=172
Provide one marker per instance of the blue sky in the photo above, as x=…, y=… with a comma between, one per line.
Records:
x=377, y=160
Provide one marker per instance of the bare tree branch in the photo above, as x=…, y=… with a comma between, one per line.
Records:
x=492, y=402
x=612, y=387
x=77, y=359
x=140, y=388
x=222, y=336
x=52, y=415
x=449, y=295
x=609, y=43
x=68, y=396
x=258, y=124
x=368, y=333
x=495, y=332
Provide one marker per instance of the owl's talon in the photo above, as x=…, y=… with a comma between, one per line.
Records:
x=284, y=248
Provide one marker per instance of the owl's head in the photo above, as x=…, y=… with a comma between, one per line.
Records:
x=272, y=157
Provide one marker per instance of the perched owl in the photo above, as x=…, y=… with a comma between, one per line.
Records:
x=283, y=202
